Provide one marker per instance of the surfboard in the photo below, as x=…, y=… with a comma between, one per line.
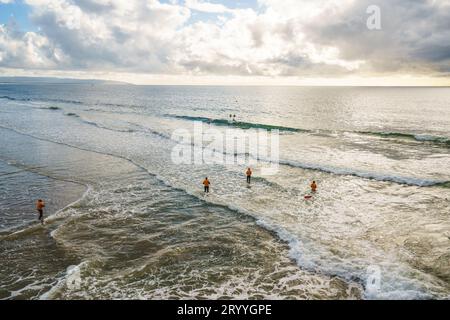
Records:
x=308, y=196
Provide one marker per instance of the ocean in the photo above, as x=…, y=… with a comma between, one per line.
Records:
x=124, y=221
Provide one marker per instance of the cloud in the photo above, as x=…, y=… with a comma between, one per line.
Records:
x=302, y=38
x=413, y=38
x=111, y=34
x=31, y=50
x=250, y=43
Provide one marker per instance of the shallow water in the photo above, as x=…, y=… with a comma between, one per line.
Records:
x=141, y=227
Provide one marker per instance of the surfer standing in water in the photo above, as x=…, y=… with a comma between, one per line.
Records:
x=313, y=186
x=40, y=208
x=206, y=183
x=249, y=174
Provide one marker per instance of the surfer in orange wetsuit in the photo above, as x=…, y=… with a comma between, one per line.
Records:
x=249, y=174
x=40, y=204
x=313, y=186
x=206, y=183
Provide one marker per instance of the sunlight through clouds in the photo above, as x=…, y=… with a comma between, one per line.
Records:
x=290, y=38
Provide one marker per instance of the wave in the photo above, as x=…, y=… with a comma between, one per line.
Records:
x=317, y=260
x=120, y=105
x=426, y=138
x=68, y=101
x=62, y=280
x=30, y=227
x=19, y=171
x=137, y=128
x=64, y=101
x=238, y=124
x=410, y=181
x=445, y=184
x=300, y=250
x=95, y=124
x=46, y=100
x=409, y=136
x=8, y=98
x=366, y=174
x=441, y=140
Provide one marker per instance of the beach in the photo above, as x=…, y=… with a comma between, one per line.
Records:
x=126, y=222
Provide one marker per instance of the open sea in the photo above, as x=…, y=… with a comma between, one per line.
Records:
x=123, y=221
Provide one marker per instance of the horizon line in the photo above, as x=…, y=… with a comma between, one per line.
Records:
x=59, y=81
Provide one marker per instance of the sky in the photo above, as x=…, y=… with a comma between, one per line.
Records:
x=244, y=42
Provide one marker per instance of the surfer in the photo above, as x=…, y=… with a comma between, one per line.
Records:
x=249, y=174
x=206, y=183
x=40, y=208
x=313, y=186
